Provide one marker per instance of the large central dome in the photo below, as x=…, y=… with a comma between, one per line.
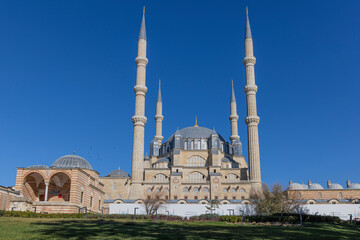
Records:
x=195, y=132
x=71, y=161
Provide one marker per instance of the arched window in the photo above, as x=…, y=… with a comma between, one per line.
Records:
x=82, y=195
x=225, y=190
x=195, y=177
x=119, y=196
x=185, y=189
x=242, y=190
x=299, y=195
x=166, y=190
x=195, y=161
x=149, y=190
x=232, y=178
x=160, y=178
x=319, y=195
x=233, y=190
x=196, y=189
x=114, y=186
x=205, y=189
x=340, y=195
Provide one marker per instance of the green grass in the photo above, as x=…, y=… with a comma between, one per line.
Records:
x=28, y=228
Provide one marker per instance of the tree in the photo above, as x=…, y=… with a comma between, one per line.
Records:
x=275, y=201
x=153, y=201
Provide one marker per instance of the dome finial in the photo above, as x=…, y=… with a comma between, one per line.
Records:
x=196, y=125
x=144, y=10
x=74, y=152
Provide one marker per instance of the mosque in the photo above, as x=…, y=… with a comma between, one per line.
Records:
x=194, y=165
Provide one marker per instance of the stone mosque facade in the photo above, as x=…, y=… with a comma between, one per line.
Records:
x=194, y=165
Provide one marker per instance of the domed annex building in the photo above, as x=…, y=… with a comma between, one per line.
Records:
x=334, y=193
x=196, y=163
x=67, y=186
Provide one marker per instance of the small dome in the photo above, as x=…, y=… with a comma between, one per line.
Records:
x=38, y=166
x=71, y=161
x=335, y=186
x=315, y=186
x=118, y=173
x=296, y=186
x=354, y=186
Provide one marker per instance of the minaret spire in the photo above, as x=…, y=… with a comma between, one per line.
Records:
x=142, y=34
x=139, y=118
x=159, y=117
x=233, y=116
x=247, y=28
x=252, y=120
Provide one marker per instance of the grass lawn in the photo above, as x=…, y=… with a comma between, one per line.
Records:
x=30, y=228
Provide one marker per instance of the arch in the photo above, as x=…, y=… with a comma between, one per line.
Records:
x=245, y=201
x=196, y=189
x=195, y=177
x=185, y=189
x=319, y=195
x=59, y=171
x=311, y=201
x=225, y=190
x=59, y=187
x=242, y=190
x=34, y=172
x=34, y=186
x=333, y=201
x=205, y=189
x=196, y=161
x=160, y=177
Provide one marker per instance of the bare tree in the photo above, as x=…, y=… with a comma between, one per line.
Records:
x=275, y=201
x=153, y=201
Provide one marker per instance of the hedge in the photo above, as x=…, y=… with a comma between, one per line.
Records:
x=289, y=218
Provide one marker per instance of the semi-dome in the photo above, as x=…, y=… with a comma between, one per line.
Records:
x=118, y=173
x=38, y=166
x=314, y=186
x=354, y=186
x=71, y=161
x=195, y=132
x=335, y=186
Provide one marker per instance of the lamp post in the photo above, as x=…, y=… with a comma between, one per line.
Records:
x=34, y=209
x=301, y=223
x=242, y=216
x=211, y=212
x=135, y=212
x=156, y=215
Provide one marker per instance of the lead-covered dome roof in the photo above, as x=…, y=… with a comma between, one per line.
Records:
x=71, y=161
x=118, y=173
x=335, y=186
x=195, y=132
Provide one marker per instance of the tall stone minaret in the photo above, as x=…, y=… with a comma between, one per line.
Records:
x=159, y=117
x=139, y=118
x=233, y=116
x=252, y=120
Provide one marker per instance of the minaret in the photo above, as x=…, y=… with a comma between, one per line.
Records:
x=139, y=118
x=233, y=116
x=159, y=117
x=252, y=120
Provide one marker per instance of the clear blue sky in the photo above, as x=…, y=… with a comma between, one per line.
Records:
x=67, y=74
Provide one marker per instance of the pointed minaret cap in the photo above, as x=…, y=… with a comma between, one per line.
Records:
x=247, y=28
x=159, y=93
x=232, y=92
x=142, y=34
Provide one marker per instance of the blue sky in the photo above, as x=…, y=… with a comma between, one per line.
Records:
x=67, y=73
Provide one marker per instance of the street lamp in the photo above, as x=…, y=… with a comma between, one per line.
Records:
x=242, y=216
x=135, y=212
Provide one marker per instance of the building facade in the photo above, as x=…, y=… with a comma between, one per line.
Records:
x=334, y=193
x=195, y=163
x=70, y=185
